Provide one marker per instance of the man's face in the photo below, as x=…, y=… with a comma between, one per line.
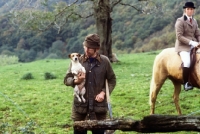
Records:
x=189, y=11
x=90, y=52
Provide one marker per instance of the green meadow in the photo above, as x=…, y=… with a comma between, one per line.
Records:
x=43, y=106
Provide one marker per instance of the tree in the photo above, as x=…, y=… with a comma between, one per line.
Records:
x=39, y=15
x=58, y=47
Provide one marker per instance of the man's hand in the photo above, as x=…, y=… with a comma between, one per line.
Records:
x=100, y=97
x=80, y=78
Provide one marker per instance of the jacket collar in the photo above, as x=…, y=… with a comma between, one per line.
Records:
x=186, y=17
x=85, y=57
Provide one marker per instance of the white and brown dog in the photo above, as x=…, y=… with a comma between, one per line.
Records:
x=75, y=69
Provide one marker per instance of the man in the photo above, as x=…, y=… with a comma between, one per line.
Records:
x=187, y=37
x=98, y=69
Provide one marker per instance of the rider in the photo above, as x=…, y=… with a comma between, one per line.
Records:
x=187, y=37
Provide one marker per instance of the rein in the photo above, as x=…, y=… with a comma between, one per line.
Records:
x=197, y=49
x=197, y=53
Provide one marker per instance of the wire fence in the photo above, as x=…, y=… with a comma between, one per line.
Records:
x=31, y=123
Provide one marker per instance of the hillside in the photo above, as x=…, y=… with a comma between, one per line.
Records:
x=131, y=32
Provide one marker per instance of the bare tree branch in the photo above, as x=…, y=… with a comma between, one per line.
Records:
x=113, y=4
x=58, y=19
x=133, y=6
x=35, y=15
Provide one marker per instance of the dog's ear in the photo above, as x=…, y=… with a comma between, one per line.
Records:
x=79, y=55
x=69, y=55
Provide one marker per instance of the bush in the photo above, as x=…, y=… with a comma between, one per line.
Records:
x=27, y=76
x=48, y=76
x=52, y=56
x=7, y=60
x=26, y=55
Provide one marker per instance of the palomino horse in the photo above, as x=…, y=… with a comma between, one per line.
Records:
x=167, y=64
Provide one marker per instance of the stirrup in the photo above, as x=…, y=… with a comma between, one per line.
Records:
x=188, y=86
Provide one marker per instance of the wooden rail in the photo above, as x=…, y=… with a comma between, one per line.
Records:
x=152, y=123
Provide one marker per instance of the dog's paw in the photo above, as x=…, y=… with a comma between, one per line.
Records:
x=74, y=72
x=83, y=70
x=79, y=100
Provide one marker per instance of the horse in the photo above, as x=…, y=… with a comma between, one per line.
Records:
x=167, y=65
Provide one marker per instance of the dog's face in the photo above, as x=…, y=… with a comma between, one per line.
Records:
x=74, y=56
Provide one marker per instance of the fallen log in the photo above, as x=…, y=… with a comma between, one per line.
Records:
x=152, y=123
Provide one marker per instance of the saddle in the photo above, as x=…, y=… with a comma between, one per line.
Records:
x=193, y=57
x=193, y=61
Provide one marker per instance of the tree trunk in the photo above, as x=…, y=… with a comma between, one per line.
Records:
x=149, y=124
x=104, y=26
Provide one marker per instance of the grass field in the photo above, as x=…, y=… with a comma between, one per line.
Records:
x=44, y=106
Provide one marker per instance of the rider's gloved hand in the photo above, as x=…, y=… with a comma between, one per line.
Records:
x=193, y=43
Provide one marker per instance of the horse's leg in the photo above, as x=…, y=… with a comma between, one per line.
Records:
x=177, y=90
x=156, y=84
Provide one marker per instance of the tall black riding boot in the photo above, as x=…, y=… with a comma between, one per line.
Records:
x=186, y=73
